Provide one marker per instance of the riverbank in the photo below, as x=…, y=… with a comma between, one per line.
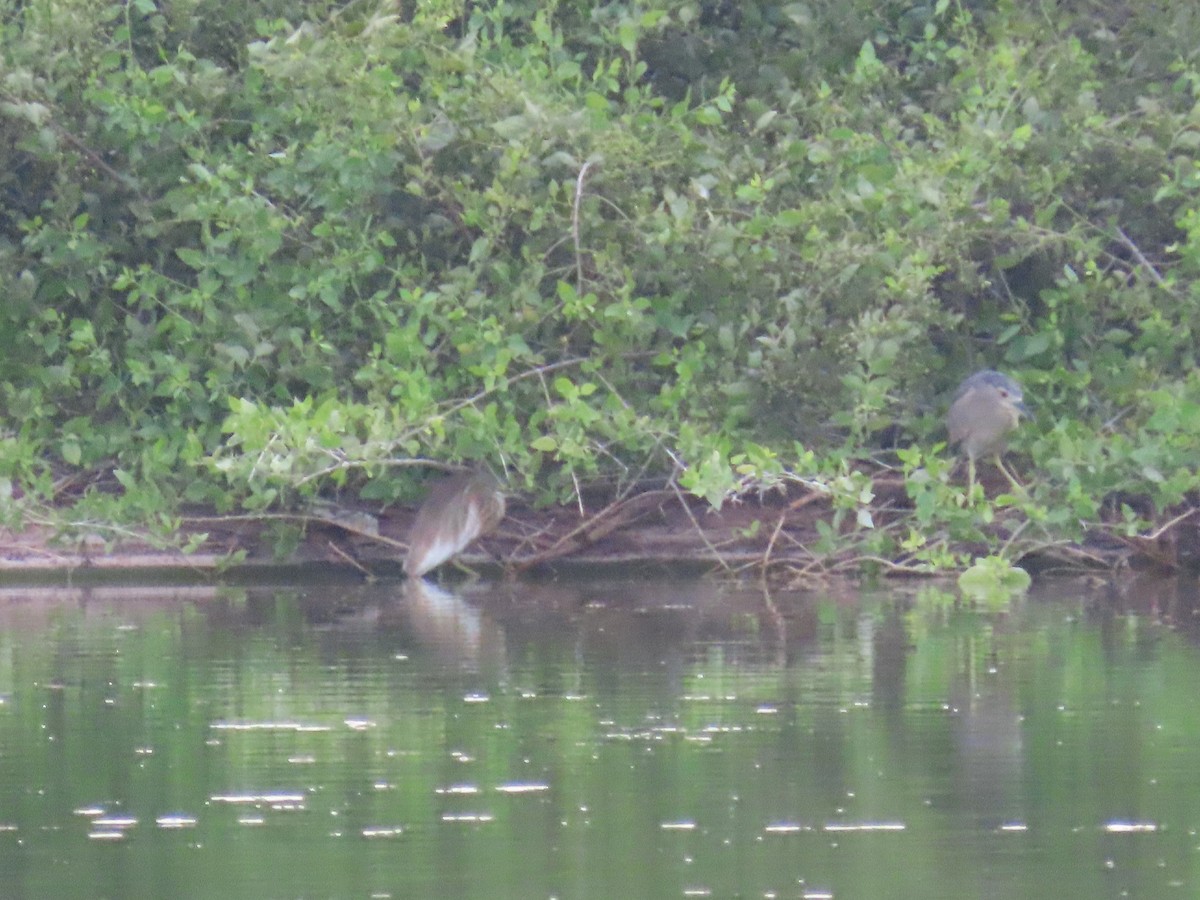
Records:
x=784, y=536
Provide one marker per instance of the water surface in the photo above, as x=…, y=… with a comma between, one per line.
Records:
x=603, y=739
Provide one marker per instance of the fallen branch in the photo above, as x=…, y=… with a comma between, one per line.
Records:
x=603, y=523
x=303, y=519
x=720, y=559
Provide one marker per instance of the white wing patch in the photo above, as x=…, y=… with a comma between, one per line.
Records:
x=445, y=543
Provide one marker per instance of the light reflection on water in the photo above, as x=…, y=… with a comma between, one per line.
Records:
x=639, y=738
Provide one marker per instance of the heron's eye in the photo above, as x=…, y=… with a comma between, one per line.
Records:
x=1004, y=393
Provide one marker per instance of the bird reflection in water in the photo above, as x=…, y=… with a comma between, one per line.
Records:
x=443, y=622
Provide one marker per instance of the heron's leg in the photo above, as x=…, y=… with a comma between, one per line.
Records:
x=472, y=574
x=1012, y=479
x=970, y=479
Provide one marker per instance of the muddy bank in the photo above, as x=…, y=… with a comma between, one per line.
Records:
x=775, y=533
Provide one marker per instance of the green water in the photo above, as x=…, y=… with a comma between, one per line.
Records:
x=633, y=739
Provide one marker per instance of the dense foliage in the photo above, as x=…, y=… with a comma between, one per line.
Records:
x=255, y=253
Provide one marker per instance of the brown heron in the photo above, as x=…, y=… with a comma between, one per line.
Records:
x=456, y=512
x=986, y=408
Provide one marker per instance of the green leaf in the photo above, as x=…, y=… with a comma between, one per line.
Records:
x=994, y=580
x=192, y=258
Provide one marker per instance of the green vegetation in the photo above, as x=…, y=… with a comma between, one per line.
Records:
x=258, y=254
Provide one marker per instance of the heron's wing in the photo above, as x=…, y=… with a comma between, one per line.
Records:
x=430, y=551
x=432, y=546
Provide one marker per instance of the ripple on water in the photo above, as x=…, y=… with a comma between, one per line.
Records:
x=522, y=788
x=787, y=828
x=391, y=754
x=111, y=828
x=380, y=831
x=1118, y=826
x=175, y=821
x=280, y=801
x=863, y=826
x=244, y=725
x=114, y=822
x=460, y=790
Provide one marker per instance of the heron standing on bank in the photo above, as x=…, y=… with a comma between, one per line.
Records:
x=458, y=510
x=986, y=408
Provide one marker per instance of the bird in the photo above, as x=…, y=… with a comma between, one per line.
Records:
x=457, y=511
x=987, y=406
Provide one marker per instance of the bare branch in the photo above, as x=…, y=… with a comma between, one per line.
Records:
x=575, y=225
x=1142, y=261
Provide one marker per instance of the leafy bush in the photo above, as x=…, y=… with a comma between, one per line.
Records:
x=252, y=255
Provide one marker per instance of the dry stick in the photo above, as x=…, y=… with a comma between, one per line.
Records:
x=893, y=568
x=1149, y=550
x=700, y=531
x=1147, y=544
x=347, y=558
x=506, y=383
x=1069, y=552
x=1169, y=562
x=1128, y=243
x=620, y=212
x=1016, y=534
x=530, y=539
x=575, y=225
x=766, y=559
x=1171, y=523
x=813, y=568
x=304, y=519
x=622, y=494
x=812, y=496
x=600, y=525
x=1142, y=261
x=115, y=530
x=13, y=547
x=1073, y=561
x=578, y=493
x=125, y=180
x=344, y=463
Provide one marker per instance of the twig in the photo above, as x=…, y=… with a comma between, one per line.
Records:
x=811, y=497
x=1072, y=552
x=1140, y=257
x=766, y=559
x=1148, y=545
x=892, y=567
x=503, y=384
x=529, y=540
x=575, y=225
x=632, y=482
x=349, y=560
x=1016, y=534
x=346, y=464
x=303, y=518
x=620, y=212
x=1171, y=523
x=700, y=531
x=578, y=493
x=600, y=525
